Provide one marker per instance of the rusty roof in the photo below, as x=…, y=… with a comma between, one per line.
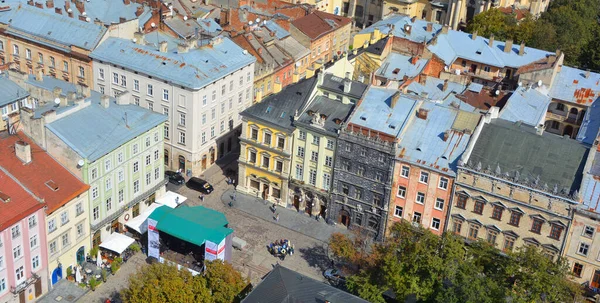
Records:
x=319, y=23
x=16, y=202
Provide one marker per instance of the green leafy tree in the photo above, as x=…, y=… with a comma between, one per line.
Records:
x=490, y=22
x=225, y=283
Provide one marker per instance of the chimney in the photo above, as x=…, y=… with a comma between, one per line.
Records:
x=39, y=5
x=71, y=96
x=64, y=102
x=491, y=41
x=407, y=29
x=70, y=13
x=56, y=92
x=139, y=38
x=82, y=18
x=522, y=48
x=50, y=3
x=394, y=99
x=423, y=79
x=405, y=78
x=446, y=135
x=122, y=19
x=474, y=35
x=587, y=73
x=98, y=22
x=86, y=91
x=139, y=11
x=445, y=29
x=260, y=51
x=23, y=151
x=422, y=113
x=508, y=46
x=429, y=28
x=540, y=129
x=80, y=5
x=445, y=87
x=105, y=101
x=30, y=2
x=558, y=53
x=413, y=19
x=58, y=10
x=320, y=76
x=162, y=46
x=414, y=60
x=347, y=85
x=272, y=34
x=39, y=75
x=126, y=2
x=182, y=48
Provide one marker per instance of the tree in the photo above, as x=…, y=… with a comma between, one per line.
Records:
x=490, y=22
x=224, y=281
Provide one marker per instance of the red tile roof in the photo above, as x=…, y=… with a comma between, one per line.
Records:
x=20, y=203
x=316, y=24
x=519, y=13
x=484, y=99
x=35, y=175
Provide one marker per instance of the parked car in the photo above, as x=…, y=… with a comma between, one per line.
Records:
x=334, y=276
x=199, y=185
x=175, y=177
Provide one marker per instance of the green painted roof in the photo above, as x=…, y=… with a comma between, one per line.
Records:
x=192, y=224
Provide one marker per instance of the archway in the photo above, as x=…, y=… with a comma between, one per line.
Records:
x=573, y=111
x=80, y=255
x=568, y=131
x=182, y=164
x=56, y=275
x=344, y=217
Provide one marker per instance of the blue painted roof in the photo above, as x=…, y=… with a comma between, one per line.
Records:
x=396, y=66
x=570, y=82
x=280, y=33
x=588, y=131
x=456, y=44
x=452, y=101
x=95, y=131
x=194, y=69
x=475, y=87
x=374, y=111
x=107, y=11
x=434, y=87
x=528, y=105
x=209, y=25
x=11, y=92
x=418, y=31
x=423, y=140
x=34, y=23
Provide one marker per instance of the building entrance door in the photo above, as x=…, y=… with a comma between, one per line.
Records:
x=344, y=218
x=80, y=255
x=596, y=280
x=38, y=288
x=296, y=202
x=265, y=193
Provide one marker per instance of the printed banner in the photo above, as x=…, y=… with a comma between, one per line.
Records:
x=221, y=250
x=210, y=250
x=153, y=239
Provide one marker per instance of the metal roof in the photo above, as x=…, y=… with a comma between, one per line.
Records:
x=11, y=92
x=418, y=32
x=396, y=66
x=434, y=88
x=456, y=44
x=590, y=126
x=336, y=84
x=516, y=147
x=423, y=141
x=375, y=111
x=194, y=69
x=280, y=33
x=95, y=131
x=572, y=85
x=283, y=285
x=332, y=109
x=528, y=105
x=50, y=28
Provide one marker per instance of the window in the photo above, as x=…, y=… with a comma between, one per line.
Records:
x=497, y=212
x=148, y=160
x=96, y=213
x=588, y=231
x=248, y=77
x=420, y=198
x=509, y=243
x=79, y=209
x=401, y=192
x=15, y=231
x=381, y=158
x=136, y=100
x=108, y=184
x=330, y=144
x=435, y=224
x=101, y=73
x=346, y=165
x=312, y=179
x=439, y=204
x=223, y=89
x=94, y=173
x=81, y=72
x=515, y=218
x=377, y=199
x=28, y=53
x=20, y=273
x=147, y=141
x=443, y=183
x=53, y=247
x=80, y=230
x=17, y=252
x=1, y=266
x=64, y=218
x=51, y=225
x=398, y=211
x=473, y=231
x=536, y=225
x=348, y=147
x=148, y=178
x=115, y=78
x=16, y=50
x=166, y=132
x=121, y=196
x=299, y=172
x=254, y=134
x=328, y=161
x=65, y=239
x=33, y=242
x=53, y=63
x=556, y=231
x=345, y=189
x=302, y=135
x=150, y=106
x=424, y=178
x=278, y=166
x=136, y=186
x=32, y=221
x=326, y=181
x=491, y=237
x=583, y=249
x=457, y=226
x=156, y=173
x=300, y=151
x=165, y=95
x=316, y=140
x=267, y=138
x=181, y=138
x=416, y=217
x=135, y=149
x=65, y=66
x=123, y=80
x=405, y=171
x=314, y=156
x=281, y=142
x=577, y=269
x=150, y=90
x=265, y=161
x=478, y=208
x=363, y=152
x=212, y=131
x=136, y=85
x=108, y=204
x=136, y=166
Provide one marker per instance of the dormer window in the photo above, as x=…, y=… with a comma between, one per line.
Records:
x=52, y=185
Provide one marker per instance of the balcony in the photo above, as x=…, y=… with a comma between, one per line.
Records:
x=557, y=115
x=23, y=285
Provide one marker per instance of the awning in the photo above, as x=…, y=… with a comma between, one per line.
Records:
x=139, y=223
x=117, y=242
x=171, y=199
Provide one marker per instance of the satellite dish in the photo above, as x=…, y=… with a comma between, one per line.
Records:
x=84, y=14
x=257, y=20
x=80, y=163
x=134, y=40
x=69, y=11
x=88, y=19
x=153, y=24
x=57, y=101
x=540, y=82
x=250, y=22
x=520, y=84
x=497, y=92
x=184, y=18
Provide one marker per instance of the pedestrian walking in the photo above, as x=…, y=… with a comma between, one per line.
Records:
x=202, y=198
x=233, y=182
x=277, y=217
x=274, y=207
x=234, y=195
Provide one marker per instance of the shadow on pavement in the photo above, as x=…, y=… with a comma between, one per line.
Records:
x=316, y=256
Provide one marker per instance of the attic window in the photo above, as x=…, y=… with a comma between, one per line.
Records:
x=478, y=52
x=444, y=157
x=337, y=121
x=363, y=118
x=310, y=112
x=268, y=109
x=52, y=185
x=324, y=117
x=419, y=148
x=283, y=115
x=392, y=126
x=396, y=71
x=4, y=197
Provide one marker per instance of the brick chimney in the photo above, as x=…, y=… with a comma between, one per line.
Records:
x=394, y=99
x=587, y=73
x=491, y=41
x=23, y=151
x=522, y=48
x=445, y=87
x=422, y=113
x=80, y=5
x=50, y=3
x=139, y=11
x=413, y=19
x=126, y=2
x=82, y=18
x=445, y=29
x=429, y=28
x=446, y=135
x=70, y=13
x=508, y=46
x=39, y=5
x=122, y=19
x=163, y=46
x=30, y=2
x=414, y=60
x=260, y=50
x=474, y=35
x=58, y=10
x=105, y=101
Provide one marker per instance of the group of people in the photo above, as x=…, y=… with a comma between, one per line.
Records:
x=281, y=248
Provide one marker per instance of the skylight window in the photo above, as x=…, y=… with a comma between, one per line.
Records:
x=283, y=115
x=269, y=109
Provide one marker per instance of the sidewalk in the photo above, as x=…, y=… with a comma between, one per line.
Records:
x=288, y=218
